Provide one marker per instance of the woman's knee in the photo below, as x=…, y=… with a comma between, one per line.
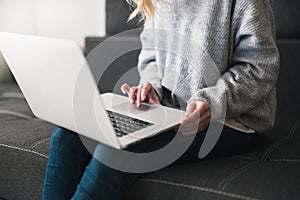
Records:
x=62, y=137
x=65, y=142
x=62, y=134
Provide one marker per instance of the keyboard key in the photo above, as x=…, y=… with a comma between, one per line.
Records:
x=125, y=125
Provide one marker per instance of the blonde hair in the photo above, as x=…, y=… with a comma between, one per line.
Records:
x=143, y=8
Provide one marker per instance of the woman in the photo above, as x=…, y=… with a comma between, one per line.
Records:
x=180, y=39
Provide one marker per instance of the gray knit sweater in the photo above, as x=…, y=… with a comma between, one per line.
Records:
x=222, y=52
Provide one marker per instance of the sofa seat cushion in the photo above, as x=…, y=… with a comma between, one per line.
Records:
x=269, y=171
x=19, y=127
x=24, y=146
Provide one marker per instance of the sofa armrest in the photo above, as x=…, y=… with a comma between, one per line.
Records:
x=5, y=74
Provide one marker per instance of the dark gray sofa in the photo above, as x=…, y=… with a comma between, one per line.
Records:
x=270, y=171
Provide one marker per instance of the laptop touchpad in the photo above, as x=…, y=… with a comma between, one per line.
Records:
x=131, y=108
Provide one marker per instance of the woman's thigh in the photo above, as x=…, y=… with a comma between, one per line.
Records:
x=66, y=164
x=231, y=142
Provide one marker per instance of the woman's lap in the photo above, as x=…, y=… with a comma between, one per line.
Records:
x=73, y=172
x=66, y=164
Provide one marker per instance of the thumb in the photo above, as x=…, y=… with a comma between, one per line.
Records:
x=153, y=98
x=190, y=108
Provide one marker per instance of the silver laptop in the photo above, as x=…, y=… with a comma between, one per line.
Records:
x=59, y=87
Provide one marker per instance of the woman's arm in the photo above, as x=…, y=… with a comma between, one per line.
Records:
x=147, y=62
x=255, y=62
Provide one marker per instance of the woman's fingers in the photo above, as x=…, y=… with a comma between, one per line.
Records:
x=153, y=98
x=197, y=118
x=200, y=118
x=130, y=91
x=125, y=88
x=195, y=127
x=193, y=131
x=194, y=124
x=199, y=109
x=140, y=94
x=146, y=89
x=190, y=108
x=132, y=94
x=189, y=129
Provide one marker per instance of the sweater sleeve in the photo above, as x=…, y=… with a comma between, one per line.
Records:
x=255, y=62
x=147, y=66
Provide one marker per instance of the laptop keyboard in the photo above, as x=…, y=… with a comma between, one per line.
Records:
x=125, y=125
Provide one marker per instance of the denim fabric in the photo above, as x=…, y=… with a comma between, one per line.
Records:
x=73, y=173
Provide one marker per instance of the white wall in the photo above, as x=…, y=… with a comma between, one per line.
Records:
x=73, y=19
x=17, y=16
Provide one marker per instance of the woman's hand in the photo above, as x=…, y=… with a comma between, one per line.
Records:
x=197, y=118
x=141, y=93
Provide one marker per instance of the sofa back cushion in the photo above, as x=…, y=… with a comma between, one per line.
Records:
x=287, y=18
x=286, y=13
x=117, y=13
x=288, y=92
x=5, y=74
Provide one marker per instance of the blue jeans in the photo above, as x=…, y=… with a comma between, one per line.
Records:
x=73, y=173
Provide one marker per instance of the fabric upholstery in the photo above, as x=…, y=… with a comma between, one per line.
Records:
x=288, y=107
x=5, y=74
x=270, y=171
x=287, y=18
x=116, y=23
x=115, y=74
x=286, y=13
x=24, y=146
